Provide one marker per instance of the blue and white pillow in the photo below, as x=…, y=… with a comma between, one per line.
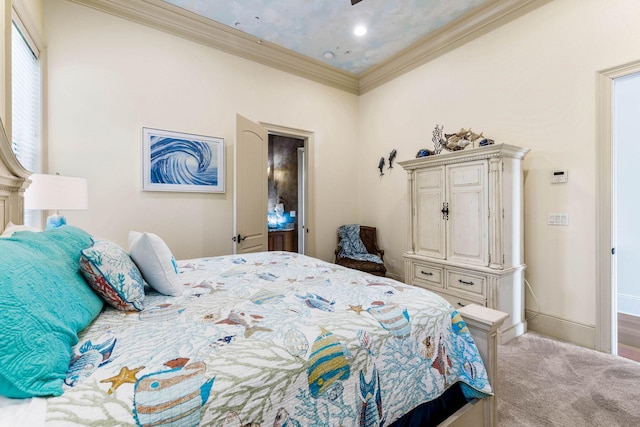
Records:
x=113, y=275
x=156, y=262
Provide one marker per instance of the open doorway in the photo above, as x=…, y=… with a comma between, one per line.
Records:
x=608, y=196
x=626, y=210
x=286, y=189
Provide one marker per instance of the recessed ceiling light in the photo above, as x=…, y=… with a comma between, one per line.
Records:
x=360, y=30
x=329, y=55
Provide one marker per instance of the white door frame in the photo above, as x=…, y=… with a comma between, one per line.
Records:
x=302, y=199
x=606, y=302
x=309, y=217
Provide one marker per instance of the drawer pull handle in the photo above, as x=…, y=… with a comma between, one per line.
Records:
x=461, y=304
x=466, y=283
x=426, y=273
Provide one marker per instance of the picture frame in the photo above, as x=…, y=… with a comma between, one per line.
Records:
x=182, y=162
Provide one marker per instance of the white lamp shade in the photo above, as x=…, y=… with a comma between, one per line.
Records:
x=55, y=192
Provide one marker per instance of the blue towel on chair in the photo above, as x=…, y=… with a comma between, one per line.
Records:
x=351, y=245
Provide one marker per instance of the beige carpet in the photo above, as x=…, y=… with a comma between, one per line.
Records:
x=543, y=382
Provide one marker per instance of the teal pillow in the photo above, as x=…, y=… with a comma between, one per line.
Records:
x=44, y=304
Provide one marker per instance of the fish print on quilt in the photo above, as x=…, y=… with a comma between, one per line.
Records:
x=270, y=339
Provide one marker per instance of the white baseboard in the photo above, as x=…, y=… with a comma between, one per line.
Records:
x=562, y=329
x=628, y=304
x=506, y=335
x=628, y=329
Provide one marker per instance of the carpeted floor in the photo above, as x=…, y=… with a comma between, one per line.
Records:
x=543, y=382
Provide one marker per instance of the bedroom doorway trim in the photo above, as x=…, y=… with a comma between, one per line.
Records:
x=308, y=209
x=606, y=305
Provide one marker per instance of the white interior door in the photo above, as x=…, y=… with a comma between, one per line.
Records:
x=250, y=197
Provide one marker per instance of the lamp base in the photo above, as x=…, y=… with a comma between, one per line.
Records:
x=55, y=221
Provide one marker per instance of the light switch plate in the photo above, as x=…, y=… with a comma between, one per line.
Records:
x=558, y=219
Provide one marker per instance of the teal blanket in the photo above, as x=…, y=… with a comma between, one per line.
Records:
x=44, y=304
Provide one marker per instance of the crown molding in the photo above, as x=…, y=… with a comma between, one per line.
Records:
x=172, y=19
x=468, y=27
x=169, y=18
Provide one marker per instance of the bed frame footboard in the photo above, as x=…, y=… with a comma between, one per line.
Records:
x=483, y=323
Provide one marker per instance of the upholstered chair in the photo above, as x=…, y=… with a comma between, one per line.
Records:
x=369, y=238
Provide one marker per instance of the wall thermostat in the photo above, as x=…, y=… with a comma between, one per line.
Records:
x=559, y=176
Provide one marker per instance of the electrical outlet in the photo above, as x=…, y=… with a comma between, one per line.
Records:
x=393, y=263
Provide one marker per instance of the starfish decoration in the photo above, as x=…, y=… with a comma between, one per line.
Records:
x=125, y=375
x=357, y=308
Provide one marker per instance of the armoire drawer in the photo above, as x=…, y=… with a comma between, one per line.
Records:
x=467, y=282
x=458, y=302
x=429, y=275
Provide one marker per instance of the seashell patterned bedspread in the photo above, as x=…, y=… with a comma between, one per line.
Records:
x=272, y=338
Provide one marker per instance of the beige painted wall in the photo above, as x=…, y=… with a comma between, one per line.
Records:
x=35, y=10
x=109, y=77
x=529, y=83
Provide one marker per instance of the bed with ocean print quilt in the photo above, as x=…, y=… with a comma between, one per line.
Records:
x=265, y=339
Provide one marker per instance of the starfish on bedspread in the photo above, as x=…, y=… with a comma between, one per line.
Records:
x=125, y=375
x=356, y=308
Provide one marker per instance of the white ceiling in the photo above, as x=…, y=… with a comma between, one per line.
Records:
x=324, y=29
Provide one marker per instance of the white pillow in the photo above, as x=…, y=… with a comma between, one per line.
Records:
x=12, y=228
x=156, y=262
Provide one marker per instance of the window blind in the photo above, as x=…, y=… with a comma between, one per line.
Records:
x=26, y=109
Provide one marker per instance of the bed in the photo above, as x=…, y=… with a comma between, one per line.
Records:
x=272, y=338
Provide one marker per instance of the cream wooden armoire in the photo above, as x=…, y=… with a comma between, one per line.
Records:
x=466, y=229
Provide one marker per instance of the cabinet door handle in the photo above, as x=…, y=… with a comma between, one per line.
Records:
x=445, y=211
x=426, y=273
x=466, y=283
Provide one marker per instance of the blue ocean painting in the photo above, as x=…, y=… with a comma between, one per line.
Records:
x=182, y=161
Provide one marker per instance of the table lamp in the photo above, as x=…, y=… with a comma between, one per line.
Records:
x=55, y=193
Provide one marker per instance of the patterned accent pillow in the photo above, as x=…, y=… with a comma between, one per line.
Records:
x=113, y=275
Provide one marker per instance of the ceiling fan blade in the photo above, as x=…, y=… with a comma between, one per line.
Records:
x=355, y=2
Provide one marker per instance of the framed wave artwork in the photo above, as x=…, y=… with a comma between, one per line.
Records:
x=175, y=161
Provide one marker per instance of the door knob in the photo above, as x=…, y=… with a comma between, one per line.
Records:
x=238, y=238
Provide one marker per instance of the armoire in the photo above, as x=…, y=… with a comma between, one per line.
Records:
x=465, y=234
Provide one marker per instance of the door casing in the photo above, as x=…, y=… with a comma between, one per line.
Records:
x=309, y=217
x=606, y=304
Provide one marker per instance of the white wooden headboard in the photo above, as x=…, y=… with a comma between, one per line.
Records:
x=13, y=181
